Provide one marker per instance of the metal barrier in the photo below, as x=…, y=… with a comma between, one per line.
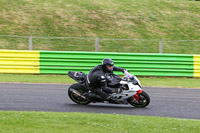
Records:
x=196, y=64
x=60, y=62
x=16, y=61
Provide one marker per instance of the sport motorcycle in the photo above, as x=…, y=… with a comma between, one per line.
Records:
x=130, y=90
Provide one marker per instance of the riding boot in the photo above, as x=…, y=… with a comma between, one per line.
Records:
x=93, y=97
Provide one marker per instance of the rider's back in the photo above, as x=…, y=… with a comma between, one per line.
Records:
x=94, y=75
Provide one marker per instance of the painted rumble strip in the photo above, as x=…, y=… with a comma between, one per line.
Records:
x=19, y=61
x=196, y=62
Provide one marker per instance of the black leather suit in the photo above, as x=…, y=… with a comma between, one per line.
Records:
x=96, y=82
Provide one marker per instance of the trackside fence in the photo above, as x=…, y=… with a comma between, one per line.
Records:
x=99, y=44
x=60, y=62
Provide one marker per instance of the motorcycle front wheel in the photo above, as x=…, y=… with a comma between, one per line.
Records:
x=76, y=98
x=143, y=100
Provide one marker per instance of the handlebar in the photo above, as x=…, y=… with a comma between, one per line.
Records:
x=131, y=77
x=127, y=74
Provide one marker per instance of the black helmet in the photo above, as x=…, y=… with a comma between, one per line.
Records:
x=107, y=64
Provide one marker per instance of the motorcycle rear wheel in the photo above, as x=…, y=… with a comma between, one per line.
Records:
x=74, y=97
x=143, y=101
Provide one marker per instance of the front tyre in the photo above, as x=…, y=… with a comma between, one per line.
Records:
x=74, y=97
x=143, y=100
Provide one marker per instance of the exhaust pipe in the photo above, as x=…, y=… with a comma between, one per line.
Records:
x=77, y=93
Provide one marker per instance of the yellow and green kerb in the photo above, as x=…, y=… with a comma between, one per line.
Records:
x=196, y=66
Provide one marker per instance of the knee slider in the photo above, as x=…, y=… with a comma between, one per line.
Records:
x=103, y=79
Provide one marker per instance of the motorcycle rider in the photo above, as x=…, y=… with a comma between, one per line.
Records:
x=97, y=80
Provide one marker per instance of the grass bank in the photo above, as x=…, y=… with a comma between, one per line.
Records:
x=64, y=79
x=51, y=122
x=147, y=19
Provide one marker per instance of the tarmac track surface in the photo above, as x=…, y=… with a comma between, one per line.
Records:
x=165, y=102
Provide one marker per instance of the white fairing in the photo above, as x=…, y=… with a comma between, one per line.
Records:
x=137, y=80
x=131, y=86
x=132, y=89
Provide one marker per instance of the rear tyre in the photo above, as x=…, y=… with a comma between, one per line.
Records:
x=143, y=101
x=74, y=97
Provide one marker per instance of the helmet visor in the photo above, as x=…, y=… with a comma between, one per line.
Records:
x=109, y=67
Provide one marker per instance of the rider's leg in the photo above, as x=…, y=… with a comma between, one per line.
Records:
x=93, y=97
x=107, y=89
x=104, y=96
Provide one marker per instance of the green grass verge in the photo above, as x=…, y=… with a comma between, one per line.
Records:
x=64, y=79
x=51, y=122
x=31, y=78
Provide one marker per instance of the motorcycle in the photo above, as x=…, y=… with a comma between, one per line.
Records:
x=131, y=90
